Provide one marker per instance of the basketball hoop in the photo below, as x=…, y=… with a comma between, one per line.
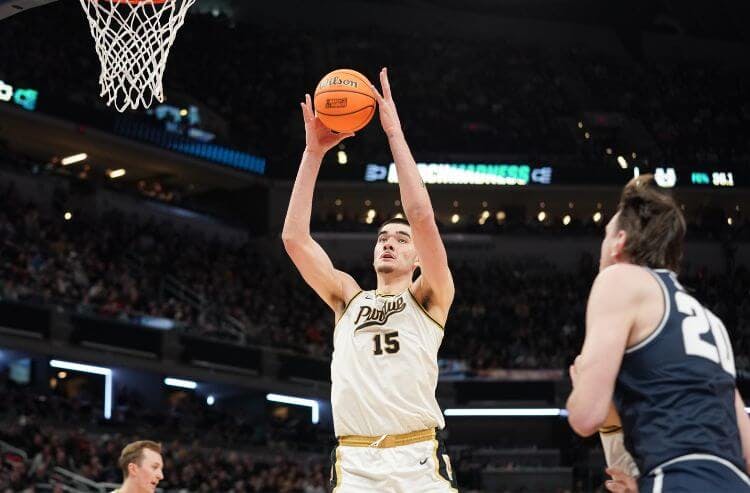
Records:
x=133, y=38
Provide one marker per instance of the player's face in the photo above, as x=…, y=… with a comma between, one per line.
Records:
x=148, y=473
x=394, y=250
x=613, y=243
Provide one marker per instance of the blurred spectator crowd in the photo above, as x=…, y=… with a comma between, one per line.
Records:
x=205, y=450
x=521, y=314
x=512, y=100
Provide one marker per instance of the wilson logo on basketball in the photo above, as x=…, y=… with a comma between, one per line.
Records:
x=332, y=81
x=335, y=103
x=373, y=316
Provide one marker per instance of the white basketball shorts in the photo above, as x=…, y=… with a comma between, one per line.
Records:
x=422, y=467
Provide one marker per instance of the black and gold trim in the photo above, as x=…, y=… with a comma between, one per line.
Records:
x=425, y=311
x=333, y=481
x=346, y=307
x=443, y=468
x=387, y=295
x=608, y=430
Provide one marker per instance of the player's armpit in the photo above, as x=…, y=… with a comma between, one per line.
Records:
x=436, y=280
x=426, y=297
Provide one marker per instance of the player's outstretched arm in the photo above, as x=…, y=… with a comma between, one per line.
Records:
x=333, y=286
x=743, y=423
x=610, y=315
x=436, y=282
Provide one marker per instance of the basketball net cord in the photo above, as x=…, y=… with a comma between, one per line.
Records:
x=133, y=38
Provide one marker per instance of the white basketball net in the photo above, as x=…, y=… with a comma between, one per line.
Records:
x=133, y=39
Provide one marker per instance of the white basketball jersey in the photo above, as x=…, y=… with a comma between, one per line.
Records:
x=384, y=369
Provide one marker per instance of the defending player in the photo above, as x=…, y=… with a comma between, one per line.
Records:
x=141, y=465
x=665, y=359
x=384, y=369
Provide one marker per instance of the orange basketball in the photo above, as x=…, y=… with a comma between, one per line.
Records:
x=344, y=101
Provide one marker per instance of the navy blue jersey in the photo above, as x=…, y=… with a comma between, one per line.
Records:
x=675, y=389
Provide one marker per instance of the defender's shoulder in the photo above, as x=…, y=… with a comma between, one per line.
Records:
x=626, y=280
x=624, y=273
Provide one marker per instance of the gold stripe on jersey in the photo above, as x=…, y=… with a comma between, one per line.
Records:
x=425, y=311
x=388, y=441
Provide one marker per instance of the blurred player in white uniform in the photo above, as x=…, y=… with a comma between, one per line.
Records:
x=384, y=368
x=141, y=466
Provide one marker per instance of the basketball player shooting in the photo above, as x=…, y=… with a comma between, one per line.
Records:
x=664, y=359
x=384, y=370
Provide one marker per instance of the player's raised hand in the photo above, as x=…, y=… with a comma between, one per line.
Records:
x=387, y=108
x=621, y=482
x=319, y=139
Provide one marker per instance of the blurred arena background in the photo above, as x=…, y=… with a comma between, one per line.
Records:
x=143, y=288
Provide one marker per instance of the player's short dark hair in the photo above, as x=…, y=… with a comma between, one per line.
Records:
x=654, y=224
x=394, y=220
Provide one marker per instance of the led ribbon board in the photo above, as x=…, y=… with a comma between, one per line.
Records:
x=667, y=177
x=467, y=174
x=25, y=98
x=526, y=174
x=204, y=150
x=712, y=178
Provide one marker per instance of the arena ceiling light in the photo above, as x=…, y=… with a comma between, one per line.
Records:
x=507, y=412
x=75, y=158
x=297, y=401
x=95, y=370
x=178, y=382
x=515, y=412
x=115, y=173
